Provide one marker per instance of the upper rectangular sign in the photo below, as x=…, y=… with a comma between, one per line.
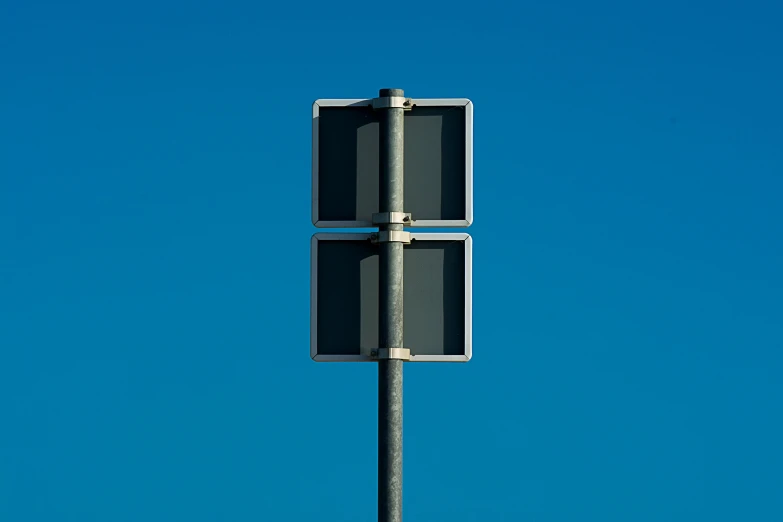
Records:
x=438, y=163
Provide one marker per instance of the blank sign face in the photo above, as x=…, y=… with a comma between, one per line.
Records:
x=437, y=297
x=438, y=163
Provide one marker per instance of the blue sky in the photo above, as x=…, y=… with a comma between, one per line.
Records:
x=154, y=263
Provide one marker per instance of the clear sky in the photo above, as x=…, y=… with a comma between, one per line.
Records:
x=154, y=263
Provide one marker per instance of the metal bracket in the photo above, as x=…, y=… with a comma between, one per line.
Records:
x=391, y=236
x=403, y=354
x=392, y=102
x=391, y=218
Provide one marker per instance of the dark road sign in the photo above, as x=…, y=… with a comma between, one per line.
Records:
x=438, y=163
x=437, y=297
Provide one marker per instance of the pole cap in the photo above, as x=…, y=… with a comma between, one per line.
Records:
x=385, y=93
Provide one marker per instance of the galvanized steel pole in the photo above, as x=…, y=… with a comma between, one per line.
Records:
x=390, y=316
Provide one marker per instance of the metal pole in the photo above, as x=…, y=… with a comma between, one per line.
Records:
x=390, y=316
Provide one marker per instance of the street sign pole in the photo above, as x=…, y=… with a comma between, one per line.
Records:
x=391, y=114
x=360, y=169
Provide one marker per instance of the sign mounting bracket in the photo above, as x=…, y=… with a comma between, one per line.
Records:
x=391, y=236
x=392, y=102
x=404, y=354
x=391, y=218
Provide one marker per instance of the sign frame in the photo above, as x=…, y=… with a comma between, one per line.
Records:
x=347, y=236
x=423, y=102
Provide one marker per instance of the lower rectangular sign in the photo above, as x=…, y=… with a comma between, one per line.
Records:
x=437, y=297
